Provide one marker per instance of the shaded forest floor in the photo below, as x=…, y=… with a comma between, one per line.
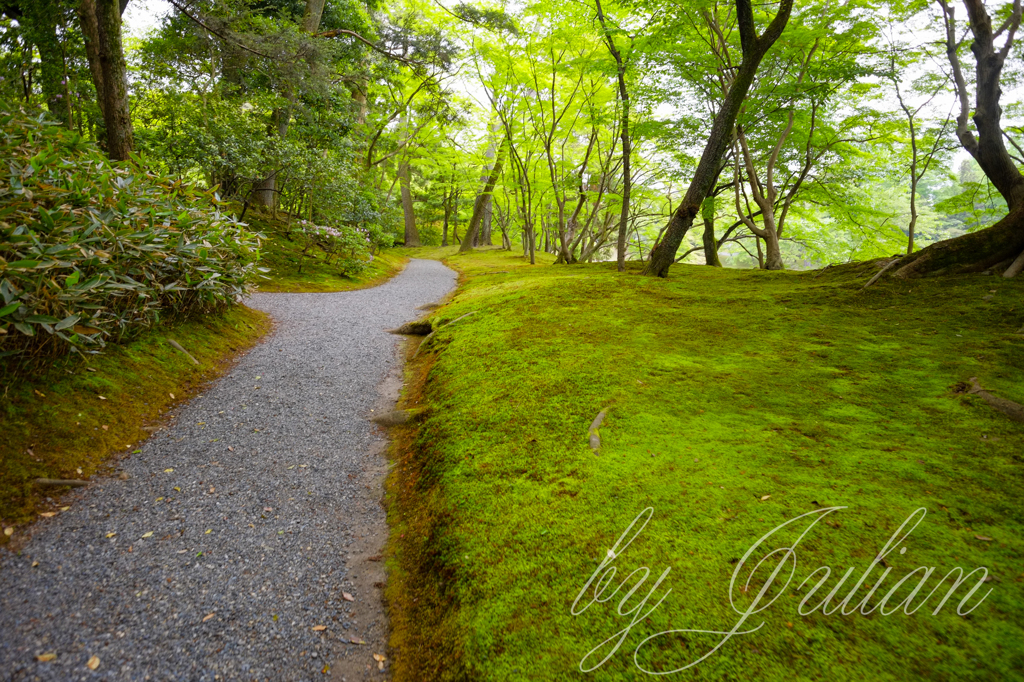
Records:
x=736, y=401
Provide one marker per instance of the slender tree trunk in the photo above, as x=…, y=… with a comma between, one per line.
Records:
x=627, y=177
x=446, y=206
x=710, y=243
x=913, y=210
x=754, y=48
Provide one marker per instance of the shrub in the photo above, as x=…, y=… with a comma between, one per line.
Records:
x=93, y=251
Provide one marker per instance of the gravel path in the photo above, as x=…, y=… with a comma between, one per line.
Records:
x=241, y=526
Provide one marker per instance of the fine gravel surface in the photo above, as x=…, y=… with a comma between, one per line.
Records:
x=244, y=542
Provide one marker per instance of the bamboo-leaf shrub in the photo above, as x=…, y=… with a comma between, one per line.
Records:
x=93, y=251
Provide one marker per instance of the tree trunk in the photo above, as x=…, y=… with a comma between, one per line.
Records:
x=978, y=251
x=101, y=27
x=412, y=236
x=484, y=236
x=773, y=254
x=627, y=179
x=483, y=199
x=40, y=23
x=485, y=223
x=444, y=230
x=265, y=193
x=754, y=48
x=710, y=244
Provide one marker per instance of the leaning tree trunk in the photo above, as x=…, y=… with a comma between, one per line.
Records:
x=754, y=48
x=482, y=200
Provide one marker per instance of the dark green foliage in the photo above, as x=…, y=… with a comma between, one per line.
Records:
x=93, y=251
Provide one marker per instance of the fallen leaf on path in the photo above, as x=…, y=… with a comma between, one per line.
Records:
x=984, y=538
x=319, y=628
x=177, y=488
x=172, y=395
x=208, y=531
x=326, y=669
x=105, y=427
x=47, y=515
x=34, y=564
x=65, y=508
x=93, y=663
x=9, y=531
x=231, y=448
x=208, y=617
x=356, y=640
x=765, y=497
x=101, y=398
x=46, y=658
x=147, y=535
x=379, y=658
x=347, y=597
x=112, y=534
x=167, y=471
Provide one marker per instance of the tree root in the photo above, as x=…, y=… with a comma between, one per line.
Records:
x=397, y=417
x=595, y=436
x=177, y=345
x=417, y=328
x=881, y=272
x=970, y=253
x=431, y=334
x=1015, y=267
x=1014, y=411
x=70, y=483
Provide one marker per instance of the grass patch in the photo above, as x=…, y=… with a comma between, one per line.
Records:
x=57, y=423
x=723, y=387
x=282, y=256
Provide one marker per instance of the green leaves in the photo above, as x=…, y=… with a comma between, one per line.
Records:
x=92, y=251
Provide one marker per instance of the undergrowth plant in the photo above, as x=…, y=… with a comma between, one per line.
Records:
x=93, y=251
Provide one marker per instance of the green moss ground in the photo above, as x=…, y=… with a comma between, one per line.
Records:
x=56, y=423
x=282, y=256
x=723, y=387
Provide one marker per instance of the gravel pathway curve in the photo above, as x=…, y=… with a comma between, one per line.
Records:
x=241, y=526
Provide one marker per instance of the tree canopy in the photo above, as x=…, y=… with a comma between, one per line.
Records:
x=800, y=133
